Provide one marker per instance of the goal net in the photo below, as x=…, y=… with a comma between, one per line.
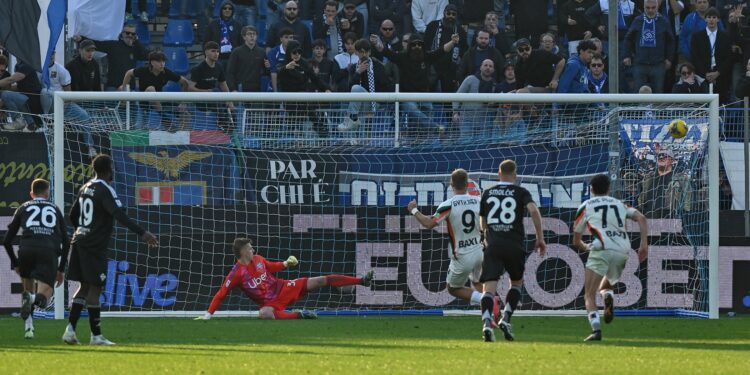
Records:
x=303, y=178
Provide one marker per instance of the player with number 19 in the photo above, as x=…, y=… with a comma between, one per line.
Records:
x=461, y=213
x=501, y=212
x=43, y=239
x=605, y=216
x=93, y=214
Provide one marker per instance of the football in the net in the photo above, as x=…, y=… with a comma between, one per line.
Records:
x=678, y=128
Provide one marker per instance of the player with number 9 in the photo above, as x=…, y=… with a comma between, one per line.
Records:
x=92, y=216
x=43, y=238
x=465, y=250
x=502, y=210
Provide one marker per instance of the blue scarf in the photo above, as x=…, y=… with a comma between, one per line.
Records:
x=648, y=32
x=224, y=43
x=598, y=84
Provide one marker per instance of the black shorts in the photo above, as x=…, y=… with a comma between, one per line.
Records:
x=38, y=264
x=88, y=266
x=501, y=257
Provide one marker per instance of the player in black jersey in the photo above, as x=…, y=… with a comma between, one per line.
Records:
x=501, y=213
x=92, y=216
x=43, y=239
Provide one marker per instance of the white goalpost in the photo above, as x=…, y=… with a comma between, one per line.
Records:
x=280, y=169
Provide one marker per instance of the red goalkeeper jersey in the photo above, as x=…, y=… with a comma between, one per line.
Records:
x=256, y=280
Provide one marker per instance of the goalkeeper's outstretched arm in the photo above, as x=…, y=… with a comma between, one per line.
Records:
x=229, y=283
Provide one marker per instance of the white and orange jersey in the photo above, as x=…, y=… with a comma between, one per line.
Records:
x=605, y=218
x=461, y=212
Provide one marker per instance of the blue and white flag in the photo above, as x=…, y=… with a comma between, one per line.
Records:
x=29, y=29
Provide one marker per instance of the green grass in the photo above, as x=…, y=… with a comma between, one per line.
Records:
x=380, y=345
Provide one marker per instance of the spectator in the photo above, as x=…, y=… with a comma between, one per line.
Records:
x=498, y=38
x=388, y=10
x=425, y=11
x=509, y=83
x=664, y=193
x=247, y=64
x=275, y=11
x=344, y=61
x=648, y=46
x=154, y=76
x=391, y=42
x=711, y=53
x=292, y=21
x=598, y=79
x=574, y=79
x=209, y=76
x=689, y=82
x=245, y=12
x=513, y=124
x=474, y=57
x=548, y=43
x=578, y=27
x=414, y=66
x=59, y=80
x=367, y=76
x=440, y=32
x=530, y=18
x=694, y=22
x=323, y=67
x=743, y=85
x=122, y=55
x=85, y=76
x=297, y=75
x=24, y=99
x=351, y=19
x=277, y=54
x=405, y=40
x=225, y=31
x=597, y=16
x=474, y=120
x=328, y=28
x=537, y=70
x=728, y=7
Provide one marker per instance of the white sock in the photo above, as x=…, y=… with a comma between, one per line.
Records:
x=594, y=321
x=33, y=298
x=608, y=291
x=69, y=328
x=29, y=323
x=475, y=298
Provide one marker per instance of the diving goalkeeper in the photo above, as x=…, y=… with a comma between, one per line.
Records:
x=254, y=274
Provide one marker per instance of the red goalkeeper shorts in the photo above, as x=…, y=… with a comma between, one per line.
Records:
x=290, y=293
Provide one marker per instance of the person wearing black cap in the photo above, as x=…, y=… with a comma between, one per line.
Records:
x=296, y=75
x=537, y=70
x=440, y=32
x=85, y=76
x=414, y=67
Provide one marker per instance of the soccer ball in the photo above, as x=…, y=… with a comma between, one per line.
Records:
x=678, y=128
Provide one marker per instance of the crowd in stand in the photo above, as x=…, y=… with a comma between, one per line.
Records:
x=465, y=46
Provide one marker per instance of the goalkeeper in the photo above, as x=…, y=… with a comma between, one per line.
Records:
x=254, y=274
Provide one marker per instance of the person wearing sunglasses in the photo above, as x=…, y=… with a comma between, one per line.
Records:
x=689, y=82
x=574, y=79
x=290, y=20
x=226, y=31
x=537, y=70
x=440, y=32
x=122, y=55
x=598, y=79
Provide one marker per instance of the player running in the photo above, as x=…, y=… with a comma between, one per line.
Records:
x=254, y=274
x=43, y=239
x=92, y=216
x=608, y=252
x=501, y=213
x=465, y=249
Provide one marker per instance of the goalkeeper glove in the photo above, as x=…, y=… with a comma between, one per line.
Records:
x=206, y=316
x=291, y=261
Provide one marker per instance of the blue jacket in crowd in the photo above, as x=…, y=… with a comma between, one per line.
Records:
x=574, y=78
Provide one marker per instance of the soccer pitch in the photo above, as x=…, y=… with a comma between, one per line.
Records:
x=381, y=345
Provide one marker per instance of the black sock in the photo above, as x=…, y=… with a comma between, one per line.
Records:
x=487, y=304
x=511, y=302
x=95, y=313
x=75, y=311
x=40, y=300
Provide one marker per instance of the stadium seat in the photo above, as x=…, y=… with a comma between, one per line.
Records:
x=144, y=35
x=172, y=86
x=183, y=9
x=204, y=121
x=177, y=60
x=179, y=33
x=150, y=8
